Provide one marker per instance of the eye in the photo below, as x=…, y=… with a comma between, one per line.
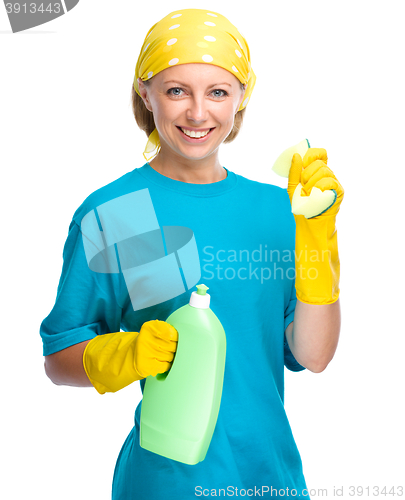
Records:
x=224, y=92
x=169, y=92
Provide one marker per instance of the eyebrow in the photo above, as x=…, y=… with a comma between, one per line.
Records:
x=185, y=85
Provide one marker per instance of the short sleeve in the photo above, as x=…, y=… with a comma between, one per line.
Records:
x=289, y=361
x=85, y=304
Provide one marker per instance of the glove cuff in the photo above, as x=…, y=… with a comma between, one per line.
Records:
x=317, y=262
x=108, y=361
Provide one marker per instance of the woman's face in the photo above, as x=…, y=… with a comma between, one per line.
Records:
x=195, y=97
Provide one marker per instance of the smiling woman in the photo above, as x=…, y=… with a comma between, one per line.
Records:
x=125, y=272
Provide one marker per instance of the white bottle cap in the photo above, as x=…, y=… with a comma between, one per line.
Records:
x=200, y=299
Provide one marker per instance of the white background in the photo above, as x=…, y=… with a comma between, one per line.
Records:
x=328, y=71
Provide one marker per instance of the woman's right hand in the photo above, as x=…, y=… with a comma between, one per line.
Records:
x=115, y=360
x=155, y=347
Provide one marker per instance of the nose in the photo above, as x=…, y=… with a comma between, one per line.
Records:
x=197, y=110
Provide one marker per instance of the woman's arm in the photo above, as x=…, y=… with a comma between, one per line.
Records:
x=115, y=360
x=313, y=335
x=66, y=367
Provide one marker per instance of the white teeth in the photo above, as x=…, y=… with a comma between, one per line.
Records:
x=191, y=133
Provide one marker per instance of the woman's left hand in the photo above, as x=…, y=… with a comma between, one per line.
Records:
x=312, y=170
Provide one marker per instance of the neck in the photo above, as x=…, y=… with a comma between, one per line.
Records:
x=202, y=171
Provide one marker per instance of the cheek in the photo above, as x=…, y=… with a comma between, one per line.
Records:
x=165, y=111
x=228, y=114
x=223, y=113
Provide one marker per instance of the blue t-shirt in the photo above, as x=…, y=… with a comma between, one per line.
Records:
x=136, y=248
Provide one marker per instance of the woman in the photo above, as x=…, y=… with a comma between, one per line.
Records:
x=126, y=268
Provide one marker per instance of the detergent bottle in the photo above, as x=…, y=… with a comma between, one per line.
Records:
x=180, y=407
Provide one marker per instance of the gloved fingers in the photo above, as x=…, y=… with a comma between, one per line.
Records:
x=151, y=341
x=313, y=154
x=319, y=171
x=160, y=367
x=330, y=183
x=295, y=170
x=152, y=366
x=294, y=175
x=167, y=345
x=164, y=352
x=160, y=329
x=311, y=169
x=164, y=356
x=155, y=347
x=149, y=349
x=166, y=332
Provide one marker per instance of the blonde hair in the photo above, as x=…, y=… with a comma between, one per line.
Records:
x=145, y=121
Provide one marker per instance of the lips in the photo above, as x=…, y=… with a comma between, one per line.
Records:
x=194, y=139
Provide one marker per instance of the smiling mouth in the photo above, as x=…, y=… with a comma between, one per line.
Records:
x=191, y=134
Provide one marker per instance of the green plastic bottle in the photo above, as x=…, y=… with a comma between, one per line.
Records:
x=180, y=407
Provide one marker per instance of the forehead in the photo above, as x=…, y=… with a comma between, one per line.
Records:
x=197, y=72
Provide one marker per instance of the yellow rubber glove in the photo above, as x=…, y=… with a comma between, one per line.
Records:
x=115, y=360
x=317, y=262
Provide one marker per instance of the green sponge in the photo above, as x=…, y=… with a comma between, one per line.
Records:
x=315, y=204
x=317, y=201
x=283, y=163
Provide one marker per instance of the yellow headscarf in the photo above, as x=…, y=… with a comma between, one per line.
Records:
x=193, y=36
